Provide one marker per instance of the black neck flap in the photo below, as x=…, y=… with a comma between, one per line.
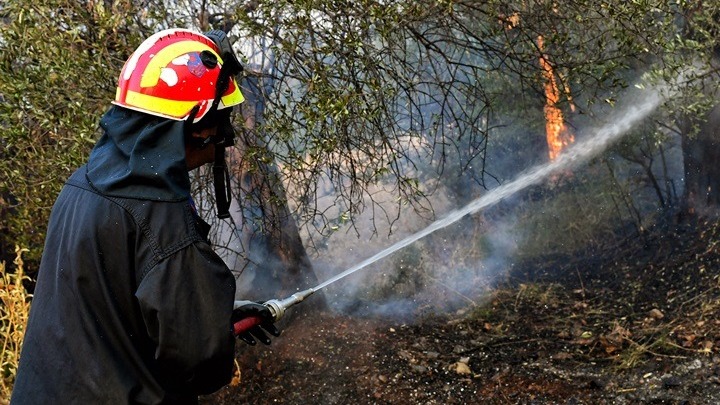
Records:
x=225, y=135
x=221, y=179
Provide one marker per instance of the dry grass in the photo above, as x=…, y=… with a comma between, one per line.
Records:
x=13, y=318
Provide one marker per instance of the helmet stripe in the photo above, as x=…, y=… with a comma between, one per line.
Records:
x=175, y=109
x=145, y=46
x=151, y=75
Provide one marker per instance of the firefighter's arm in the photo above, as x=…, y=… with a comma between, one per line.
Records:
x=187, y=304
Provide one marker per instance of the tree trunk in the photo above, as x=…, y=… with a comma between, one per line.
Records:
x=277, y=263
x=701, y=156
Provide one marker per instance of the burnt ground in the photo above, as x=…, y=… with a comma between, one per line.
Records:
x=637, y=323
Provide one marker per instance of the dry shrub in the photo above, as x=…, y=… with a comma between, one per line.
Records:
x=13, y=318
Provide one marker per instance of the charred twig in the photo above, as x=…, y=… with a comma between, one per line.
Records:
x=499, y=344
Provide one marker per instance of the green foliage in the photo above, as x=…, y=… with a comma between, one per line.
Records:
x=59, y=62
x=354, y=81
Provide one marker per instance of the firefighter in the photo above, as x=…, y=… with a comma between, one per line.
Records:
x=132, y=306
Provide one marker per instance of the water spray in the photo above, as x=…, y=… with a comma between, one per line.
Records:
x=574, y=155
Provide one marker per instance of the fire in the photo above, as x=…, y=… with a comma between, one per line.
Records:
x=558, y=135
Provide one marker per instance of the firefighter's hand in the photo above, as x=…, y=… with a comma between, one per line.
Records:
x=250, y=309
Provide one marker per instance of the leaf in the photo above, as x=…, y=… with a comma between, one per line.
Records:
x=461, y=368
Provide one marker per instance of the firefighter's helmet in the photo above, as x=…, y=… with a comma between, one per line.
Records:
x=176, y=71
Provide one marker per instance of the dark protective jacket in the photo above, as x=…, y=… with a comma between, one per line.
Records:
x=132, y=306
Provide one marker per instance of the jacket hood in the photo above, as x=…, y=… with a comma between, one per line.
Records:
x=139, y=156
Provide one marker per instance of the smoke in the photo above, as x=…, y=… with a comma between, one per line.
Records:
x=443, y=271
x=451, y=263
x=446, y=270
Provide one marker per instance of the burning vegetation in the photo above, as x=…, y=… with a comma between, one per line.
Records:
x=558, y=134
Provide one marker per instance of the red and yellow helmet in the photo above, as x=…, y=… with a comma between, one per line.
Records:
x=171, y=73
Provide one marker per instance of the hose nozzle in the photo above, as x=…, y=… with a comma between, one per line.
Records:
x=278, y=307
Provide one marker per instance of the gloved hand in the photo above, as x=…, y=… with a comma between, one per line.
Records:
x=246, y=309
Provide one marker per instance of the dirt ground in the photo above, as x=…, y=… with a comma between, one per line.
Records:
x=638, y=323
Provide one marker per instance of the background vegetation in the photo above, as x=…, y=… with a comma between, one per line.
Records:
x=356, y=94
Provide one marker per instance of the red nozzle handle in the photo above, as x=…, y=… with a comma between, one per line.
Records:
x=246, y=324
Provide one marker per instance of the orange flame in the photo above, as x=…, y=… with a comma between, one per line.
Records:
x=558, y=135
